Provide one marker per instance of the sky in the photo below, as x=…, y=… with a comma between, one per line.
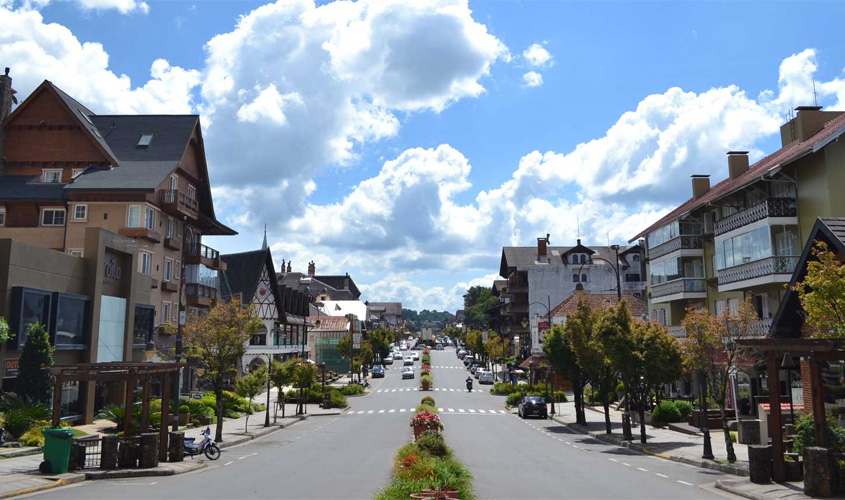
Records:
x=406, y=142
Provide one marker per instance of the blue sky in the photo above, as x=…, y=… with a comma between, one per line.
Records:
x=399, y=141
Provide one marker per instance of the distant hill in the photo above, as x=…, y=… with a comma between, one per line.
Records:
x=425, y=318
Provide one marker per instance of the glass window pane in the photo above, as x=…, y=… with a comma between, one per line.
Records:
x=71, y=319
x=36, y=308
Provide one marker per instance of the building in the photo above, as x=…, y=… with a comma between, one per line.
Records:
x=540, y=276
x=319, y=288
x=251, y=277
x=323, y=340
x=120, y=196
x=636, y=304
x=742, y=237
x=386, y=314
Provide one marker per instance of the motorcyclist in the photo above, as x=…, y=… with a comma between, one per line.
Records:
x=469, y=384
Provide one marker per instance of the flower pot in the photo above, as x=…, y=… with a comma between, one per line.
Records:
x=184, y=418
x=425, y=385
x=419, y=429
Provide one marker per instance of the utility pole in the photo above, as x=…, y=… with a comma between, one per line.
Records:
x=181, y=326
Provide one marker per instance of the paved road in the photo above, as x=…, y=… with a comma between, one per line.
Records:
x=349, y=456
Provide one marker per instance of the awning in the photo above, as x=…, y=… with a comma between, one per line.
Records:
x=536, y=359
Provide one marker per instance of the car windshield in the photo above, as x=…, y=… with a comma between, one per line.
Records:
x=534, y=399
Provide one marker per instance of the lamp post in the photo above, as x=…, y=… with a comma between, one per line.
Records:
x=177, y=382
x=702, y=380
x=267, y=413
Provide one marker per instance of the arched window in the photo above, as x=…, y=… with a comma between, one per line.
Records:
x=635, y=258
x=573, y=259
x=583, y=259
x=583, y=278
x=575, y=277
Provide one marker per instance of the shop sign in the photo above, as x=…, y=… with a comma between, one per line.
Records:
x=356, y=340
x=112, y=269
x=12, y=367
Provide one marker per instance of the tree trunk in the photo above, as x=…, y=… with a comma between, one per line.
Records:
x=642, y=423
x=606, y=404
x=578, y=389
x=218, y=434
x=729, y=444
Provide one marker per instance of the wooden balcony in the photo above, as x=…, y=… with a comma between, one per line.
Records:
x=200, y=295
x=169, y=286
x=173, y=243
x=196, y=253
x=140, y=232
x=177, y=203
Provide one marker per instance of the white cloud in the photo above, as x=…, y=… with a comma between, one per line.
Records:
x=532, y=79
x=415, y=297
x=269, y=104
x=536, y=55
x=122, y=6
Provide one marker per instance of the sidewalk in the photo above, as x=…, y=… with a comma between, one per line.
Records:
x=20, y=476
x=663, y=443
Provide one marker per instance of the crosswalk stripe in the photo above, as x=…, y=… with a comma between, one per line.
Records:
x=391, y=411
x=451, y=410
x=381, y=411
x=360, y=412
x=369, y=412
x=401, y=410
x=410, y=409
x=481, y=411
x=472, y=411
x=461, y=410
x=502, y=411
x=440, y=409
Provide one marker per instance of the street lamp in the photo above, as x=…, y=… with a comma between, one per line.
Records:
x=702, y=380
x=267, y=413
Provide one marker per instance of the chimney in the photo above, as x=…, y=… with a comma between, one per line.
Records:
x=737, y=163
x=809, y=121
x=542, y=246
x=700, y=186
x=7, y=98
x=312, y=269
x=346, y=282
x=282, y=270
x=289, y=266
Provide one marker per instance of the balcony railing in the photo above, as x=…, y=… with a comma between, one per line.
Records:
x=683, y=285
x=197, y=253
x=688, y=242
x=775, y=207
x=758, y=269
x=200, y=295
x=678, y=332
x=176, y=202
x=512, y=308
x=634, y=286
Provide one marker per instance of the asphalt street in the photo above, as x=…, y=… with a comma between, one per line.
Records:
x=349, y=456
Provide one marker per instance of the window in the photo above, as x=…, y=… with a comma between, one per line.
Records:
x=75, y=252
x=635, y=257
x=76, y=172
x=174, y=182
x=733, y=306
x=192, y=192
x=583, y=278
x=175, y=312
x=662, y=318
x=51, y=175
x=2, y=216
x=28, y=306
x=165, y=312
x=53, y=217
x=168, y=269
x=177, y=270
x=654, y=314
x=145, y=140
x=575, y=277
x=80, y=212
x=143, y=327
x=134, y=216
x=672, y=269
x=146, y=263
x=720, y=308
x=169, y=227
x=629, y=278
x=149, y=221
x=71, y=320
x=583, y=259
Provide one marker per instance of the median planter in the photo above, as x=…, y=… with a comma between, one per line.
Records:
x=437, y=494
x=425, y=421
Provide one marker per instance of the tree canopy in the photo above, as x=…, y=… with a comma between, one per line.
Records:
x=822, y=293
x=33, y=381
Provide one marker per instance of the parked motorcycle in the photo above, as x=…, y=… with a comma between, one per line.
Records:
x=207, y=446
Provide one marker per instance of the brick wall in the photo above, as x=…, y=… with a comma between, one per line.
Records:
x=806, y=386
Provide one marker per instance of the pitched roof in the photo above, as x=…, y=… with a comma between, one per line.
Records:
x=171, y=134
x=29, y=187
x=130, y=175
x=387, y=308
x=527, y=256
x=637, y=307
x=84, y=116
x=329, y=323
x=243, y=270
x=313, y=286
x=787, y=154
x=339, y=282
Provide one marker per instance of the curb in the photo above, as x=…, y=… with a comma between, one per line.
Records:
x=75, y=478
x=726, y=486
x=261, y=433
x=22, y=453
x=129, y=473
x=704, y=464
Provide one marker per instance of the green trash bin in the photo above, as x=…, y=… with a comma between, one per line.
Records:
x=56, y=450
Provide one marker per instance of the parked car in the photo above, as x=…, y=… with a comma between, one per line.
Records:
x=473, y=367
x=462, y=353
x=388, y=360
x=409, y=360
x=407, y=372
x=438, y=347
x=486, y=377
x=533, y=406
x=415, y=355
x=378, y=371
x=468, y=360
x=477, y=372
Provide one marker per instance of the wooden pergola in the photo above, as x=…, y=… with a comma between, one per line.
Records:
x=816, y=351
x=128, y=373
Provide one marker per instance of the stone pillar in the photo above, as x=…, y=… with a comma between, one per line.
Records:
x=149, y=451
x=108, y=453
x=749, y=431
x=818, y=472
x=760, y=464
x=806, y=386
x=176, y=450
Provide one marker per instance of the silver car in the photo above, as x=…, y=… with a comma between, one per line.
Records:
x=486, y=377
x=407, y=372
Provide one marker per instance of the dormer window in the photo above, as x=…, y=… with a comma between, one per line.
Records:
x=583, y=259
x=635, y=257
x=51, y=175
x=145, y=141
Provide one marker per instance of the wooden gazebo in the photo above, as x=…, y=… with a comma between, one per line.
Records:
x=130, y=374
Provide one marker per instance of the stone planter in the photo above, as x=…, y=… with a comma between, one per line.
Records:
x=425, y=386
x=184, y=418
x=794, y=470
x=419, y=429
x=436, y=495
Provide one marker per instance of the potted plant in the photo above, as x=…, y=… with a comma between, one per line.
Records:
x=438, y=494
x=184, y=415
x=425, y=421
x=426, y=382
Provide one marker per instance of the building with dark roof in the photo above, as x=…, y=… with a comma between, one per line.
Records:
x=386, y=314
x=319, y=287
x=742, y=237
x=539, y=276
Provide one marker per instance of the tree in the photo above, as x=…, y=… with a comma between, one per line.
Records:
x=475, y=342
x=33, y=380
x=250, y=385
x=562, y=359
x=217, y=340
x=583, y=328
x=5, y=335
x=280, y=377
x=496, y=348
x=476, y=302
x=713, y=346
x=822, y=293
x=303, y=375
x=380, y=339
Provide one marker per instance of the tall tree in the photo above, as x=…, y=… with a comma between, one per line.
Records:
x=280, y=377
x=822, y=293
x=496, y=348
x=380, y=339
x=583, y=329
x=217, y=341
x=476, y=302
x=562, y=360
x=303, y=375
x=248, y=386
x=713, y=346
x=33, y=380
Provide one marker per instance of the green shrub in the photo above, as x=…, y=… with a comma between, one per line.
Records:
x=684, y=407
x=666, y=412
x=428, y=408
x=337, y=399
x=352, y=390
x=620, y=388
x=427, y=378
x=805, y=434
x=513, y=399
x=32, y=437
x=425, y=373
x=428, y=400
x=433, y=443
x=21, y=415
x=560, y=397
x=425, y=471
x=505, y=388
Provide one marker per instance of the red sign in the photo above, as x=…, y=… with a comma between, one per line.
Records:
x=544, y=325
x=12, y=366
x=783, y=406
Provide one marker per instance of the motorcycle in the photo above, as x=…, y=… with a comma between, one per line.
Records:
x=207, y=446
x=469, y=385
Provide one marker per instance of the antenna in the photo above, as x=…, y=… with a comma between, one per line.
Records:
x=578, y=221
x=815, y=94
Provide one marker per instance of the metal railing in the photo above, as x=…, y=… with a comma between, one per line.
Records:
x=176, y=197
x=202, y=291
x=678, y=332
x=85, y=453
x=683, y=285
x=757, y=269
x=774, y=207
x=684, y=242
x=201, y=251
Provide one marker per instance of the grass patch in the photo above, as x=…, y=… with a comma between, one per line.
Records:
x=414, y=470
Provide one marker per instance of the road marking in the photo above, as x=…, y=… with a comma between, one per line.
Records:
x=381, y=411
x=394, y=390
x=684, y=482
x=371, y=411
x=229, y=463
x=640, y=468
x=451, y=390
x=360, y=412
x=623, y=463
x=440, y=409
x=411, y=410
x=401, y=410
x=481, y=411
x=502, y=411
x=451, y=410
x=392, y=410
x=461, y=410
x=241, y=458
x=350, y=412
x=472, y=411
x=661, y=475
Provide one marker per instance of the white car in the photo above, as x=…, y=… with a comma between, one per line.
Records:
x=415, y=355
x=486, y=377
x=388, y=360
x=407, y=372
x=409, y=360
